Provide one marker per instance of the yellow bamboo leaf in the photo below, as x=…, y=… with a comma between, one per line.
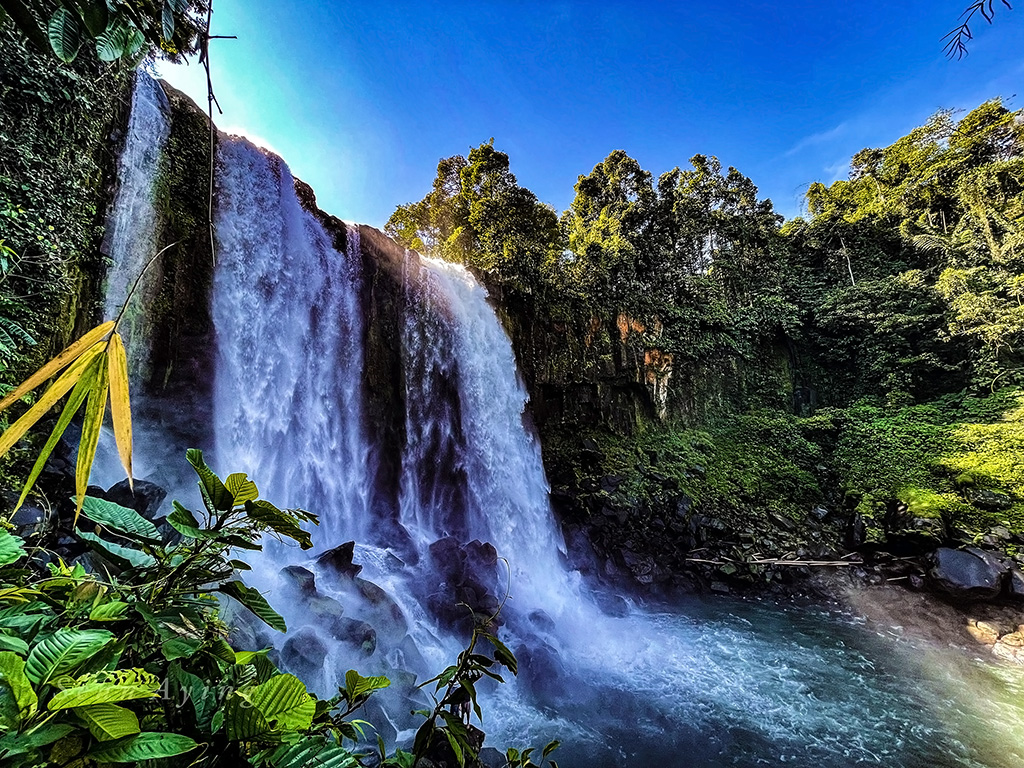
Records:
x=120, y=404
x=56, y=391
x=78, y=395
x=92, y=423
x=59, y=362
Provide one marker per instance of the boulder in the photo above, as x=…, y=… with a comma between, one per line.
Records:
x=967, y=574
x=339, y=560
x=298, y=581
x=356, y=634
x=145, y=499
x=984, y=632
x=304, y=653
x=994, y=501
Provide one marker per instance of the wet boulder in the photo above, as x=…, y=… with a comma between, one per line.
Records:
x=969, y=574
x=298, y=581
x=304, y=653
x=339, y=560
x=145, y=499
x=356, y=634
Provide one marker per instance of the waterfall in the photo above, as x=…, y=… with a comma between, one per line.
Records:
x=287, y=394
x=695, y=684
x=132, y=226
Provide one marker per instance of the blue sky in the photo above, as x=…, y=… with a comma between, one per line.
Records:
x=362, y=99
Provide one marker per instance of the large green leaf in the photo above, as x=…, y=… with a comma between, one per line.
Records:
x=94, y=13
x=241, y=488
x=356, y=685
x=143, y=746
x=11, y=548
x=112, y=611
x=167, y=19
x=282, y=704
x=63, y=651
x=219, y=495
x=14, y=644
x=121, y=520
x=254, y=601
x=314, y=752
x=20, y=743
x=121, y=39
x=122, y=557
x=65, y=33
x=266, y=514
x=107, y=722
x=100, y=693
x=187, y=687
x=13, y=678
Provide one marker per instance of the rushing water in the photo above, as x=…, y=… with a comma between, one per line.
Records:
x=715, y=683
x=133, y=222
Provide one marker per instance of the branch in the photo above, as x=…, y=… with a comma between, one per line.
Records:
x=956, y=44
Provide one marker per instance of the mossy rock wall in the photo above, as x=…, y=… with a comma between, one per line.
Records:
x=61, y=128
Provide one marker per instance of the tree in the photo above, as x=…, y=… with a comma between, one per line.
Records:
x=477, y=214
x=119, y=29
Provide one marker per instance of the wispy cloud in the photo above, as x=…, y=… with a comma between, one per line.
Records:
x=816, y=139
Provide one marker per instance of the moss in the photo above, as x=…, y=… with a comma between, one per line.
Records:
x=182, y=326
x=57, y=166
x=957, y=458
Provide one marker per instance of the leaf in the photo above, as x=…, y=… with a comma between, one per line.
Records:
x=314, y=752
x=241, y=488
x=40, y=736
x=62, y=651
x=24, y=20
x=219, y=495
x=55, y=392
x=13, y=677
x=120, y=520
x=61, y=361
x=11, y=548
x=167, y=19
x=92, y=425
x=107, y=722
x=356, y=685
x=100, y=693
x=278, y=705
x=502, y=654
x=551, y=747
x=78, y=395
x=179, y=648
x=269, y=516
x=185, y=523
x=143, y=746
x=112, y=611
x=13, y=644
x=120, y=404
x=121, y=39
x=456, y=748
x=65, y=33
x=255, y=602
x=122, y=557
x=94, y=13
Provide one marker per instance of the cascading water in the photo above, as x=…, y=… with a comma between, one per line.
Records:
x=708, y=684
x=289, y=357
x=132, y=225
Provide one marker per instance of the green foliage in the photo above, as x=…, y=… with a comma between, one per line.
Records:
x=478, y=215
x=134, y=665
x=956, y=459
x=117, y=29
